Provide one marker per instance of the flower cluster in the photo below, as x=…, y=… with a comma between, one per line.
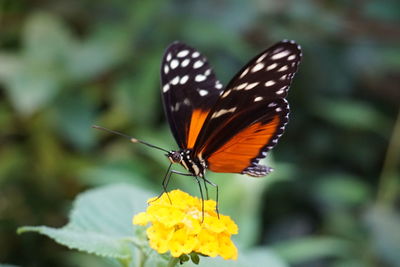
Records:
x=178, y=226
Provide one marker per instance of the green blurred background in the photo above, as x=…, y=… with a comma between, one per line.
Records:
x=333, y=199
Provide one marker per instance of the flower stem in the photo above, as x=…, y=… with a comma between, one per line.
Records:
x=172, y=262
x=142, y=259
x=388, y=183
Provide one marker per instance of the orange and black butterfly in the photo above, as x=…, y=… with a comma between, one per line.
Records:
x=226, y=129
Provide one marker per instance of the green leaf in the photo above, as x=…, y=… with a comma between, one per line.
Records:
x=306, y=249
x=100, y=221
x=183, y=258
x=195, y=258
x=85, y=240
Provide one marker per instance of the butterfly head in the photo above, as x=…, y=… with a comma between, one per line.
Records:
x=174, y=156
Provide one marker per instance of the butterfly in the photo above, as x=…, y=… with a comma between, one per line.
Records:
x=225, y=129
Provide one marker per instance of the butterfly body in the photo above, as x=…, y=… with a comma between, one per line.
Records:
x=192, y=164
x=227, y=129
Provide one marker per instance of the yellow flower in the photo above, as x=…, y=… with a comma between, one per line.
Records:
x=178, y=227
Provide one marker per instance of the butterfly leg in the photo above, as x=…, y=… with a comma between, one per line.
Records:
x=165, y=183
x=167, y=178
x=205, y=186
x=202, y=198
x=216, y=188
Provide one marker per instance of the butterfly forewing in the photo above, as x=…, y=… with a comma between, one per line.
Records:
x=251, y=113
x=189, y=88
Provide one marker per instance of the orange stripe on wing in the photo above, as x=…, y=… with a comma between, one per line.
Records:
x=236, y=155
x=196, y=123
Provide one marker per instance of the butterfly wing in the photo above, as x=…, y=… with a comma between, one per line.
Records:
x=189, y=88
x=251, y=114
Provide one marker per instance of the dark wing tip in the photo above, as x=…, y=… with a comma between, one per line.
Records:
x=292, y=44
x=176, y=45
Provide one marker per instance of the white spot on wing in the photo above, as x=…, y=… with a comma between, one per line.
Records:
x=183, y=53
x=272, y=104
x=261, y=57
x=292, y=57
x=198, y=64
x=272, y=66
x=203, y=92
x=269, y=83
x=199, y=78
x=283, y=68
x=257, y=67
x=166, y=69
x=251, y=86
x=241, y=86
x=280, y=91
x=279, y=49
x=166, y=88
x=169, y=57
x=186, y=101
x=208, y=72
x=222, y=112
x=176, y=108
x=184, y=79
x=185, y=62
x=244, y=73
x=175, y=80
x=278, y=109
x=195, y=54
x=218, y=85
x=226, y=93
x=280, y=55
x=258, y=98
x=174, y=63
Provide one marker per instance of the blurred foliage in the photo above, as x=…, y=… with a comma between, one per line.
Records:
x=333, y=199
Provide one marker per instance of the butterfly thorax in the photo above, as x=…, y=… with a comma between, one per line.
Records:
x=190, y=162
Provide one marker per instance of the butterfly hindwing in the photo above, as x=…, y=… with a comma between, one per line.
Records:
x=189, y=88
x=246, y=139
x=251, y=113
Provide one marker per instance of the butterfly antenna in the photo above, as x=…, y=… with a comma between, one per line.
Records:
x=132, y=139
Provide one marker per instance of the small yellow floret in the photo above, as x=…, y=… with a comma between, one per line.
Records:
x=177, y=227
